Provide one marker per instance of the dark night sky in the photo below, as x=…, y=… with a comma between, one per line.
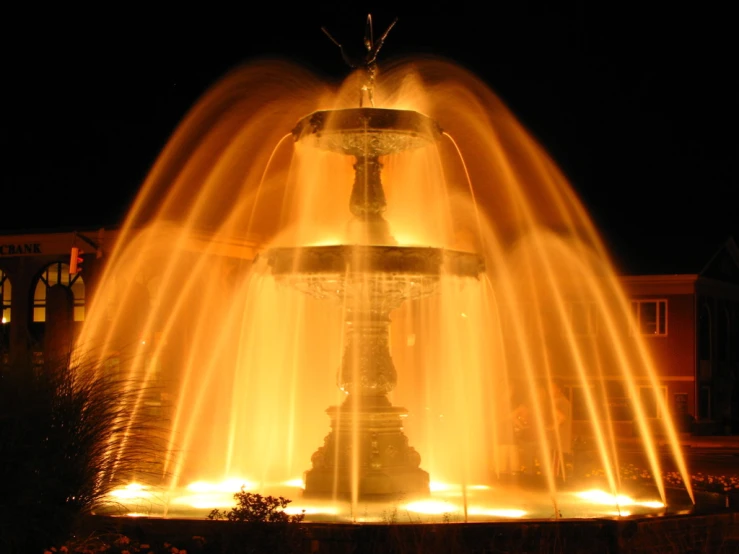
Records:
x=638, y=105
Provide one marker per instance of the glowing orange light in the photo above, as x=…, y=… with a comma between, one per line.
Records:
x=295, y=483
x=132, y=491
x=497, y=512
x=434, y=507
x=596, y=496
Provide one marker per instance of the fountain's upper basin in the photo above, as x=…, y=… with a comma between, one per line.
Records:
x=346, y=259
x=367, y=132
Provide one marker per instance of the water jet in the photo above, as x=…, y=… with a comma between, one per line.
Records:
x=366, y=452
x=260, y=282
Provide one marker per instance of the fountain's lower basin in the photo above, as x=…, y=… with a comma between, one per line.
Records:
x=709, y=526
x=374, y=260
x=523, y=499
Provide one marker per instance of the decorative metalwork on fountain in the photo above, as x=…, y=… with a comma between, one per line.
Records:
x=368, y=197
x=367, y=132
x=368, y=63
x=366, y=452
x=367, y=203
x=367, y=368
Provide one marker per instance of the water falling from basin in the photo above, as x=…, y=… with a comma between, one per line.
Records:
x=420, y=269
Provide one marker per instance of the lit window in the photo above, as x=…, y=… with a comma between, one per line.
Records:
x=650, y=317
x=58, y=274
x=5, y=325
x=618, y=403
x=5, y=294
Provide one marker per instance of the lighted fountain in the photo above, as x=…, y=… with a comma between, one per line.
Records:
x=240, y=283
x=367, y=454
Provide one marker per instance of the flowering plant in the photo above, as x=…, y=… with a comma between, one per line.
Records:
x=699, y=481
x=121, y=544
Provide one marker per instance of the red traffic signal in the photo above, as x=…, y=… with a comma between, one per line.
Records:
x=75, y=261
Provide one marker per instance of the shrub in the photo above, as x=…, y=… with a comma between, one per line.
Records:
x=59, y=432
x=255, y=508
x=259, y=525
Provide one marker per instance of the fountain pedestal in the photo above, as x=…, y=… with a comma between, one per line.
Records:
x=366, y=454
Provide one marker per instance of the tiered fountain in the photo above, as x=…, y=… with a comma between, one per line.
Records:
x=484, y=256
x=366, y=453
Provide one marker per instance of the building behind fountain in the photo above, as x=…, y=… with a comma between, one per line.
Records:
x=175, y=294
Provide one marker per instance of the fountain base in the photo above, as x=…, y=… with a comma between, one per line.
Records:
x=709, y=526
x=372, y=485
x=367, y=452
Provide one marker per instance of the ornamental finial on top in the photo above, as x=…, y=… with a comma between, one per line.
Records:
x=368, y=63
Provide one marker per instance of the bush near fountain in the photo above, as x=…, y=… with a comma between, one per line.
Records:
x=260, y=524
x=57, y=426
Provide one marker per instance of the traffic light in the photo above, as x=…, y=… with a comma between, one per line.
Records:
x=75, y=261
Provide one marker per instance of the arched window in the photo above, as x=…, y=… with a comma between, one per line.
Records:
x=58, y=312
x=5, y=293
x=58, y=274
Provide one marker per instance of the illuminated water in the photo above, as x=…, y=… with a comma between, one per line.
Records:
x=247, y=365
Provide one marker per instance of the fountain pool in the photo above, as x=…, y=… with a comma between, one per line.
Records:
x=420, y=270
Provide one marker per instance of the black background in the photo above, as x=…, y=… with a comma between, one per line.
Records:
x=637, y=102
